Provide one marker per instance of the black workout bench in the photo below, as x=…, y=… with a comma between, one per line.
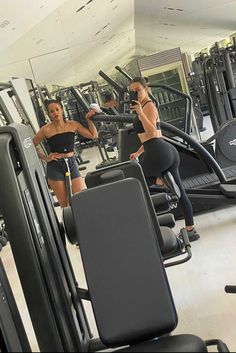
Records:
x=127, y=282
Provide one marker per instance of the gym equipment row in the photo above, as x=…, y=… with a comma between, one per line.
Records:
x=127, y=282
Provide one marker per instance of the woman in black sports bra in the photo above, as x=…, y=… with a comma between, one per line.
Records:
x=158, y=155
x=60, y=136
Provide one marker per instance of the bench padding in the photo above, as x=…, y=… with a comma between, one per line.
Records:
x=126, y=279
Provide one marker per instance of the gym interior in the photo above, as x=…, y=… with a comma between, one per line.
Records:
x=115, y=270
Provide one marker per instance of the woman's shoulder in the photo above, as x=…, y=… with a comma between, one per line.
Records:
x=44, y=129
x=150, y=106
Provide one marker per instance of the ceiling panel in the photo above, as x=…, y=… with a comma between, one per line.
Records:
x=18, y=17
x=71, y=40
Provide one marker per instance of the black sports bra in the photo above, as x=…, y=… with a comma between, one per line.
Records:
x=138, y=126
x=62, y=143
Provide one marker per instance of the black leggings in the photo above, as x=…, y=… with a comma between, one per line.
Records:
x=160, y=156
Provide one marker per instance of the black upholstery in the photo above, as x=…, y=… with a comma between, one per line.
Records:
x=112, y=176
x=181, y=343
x=129, y=290
x=170, y=244
x=127, y=282
x=132, y=170
x=166, y=220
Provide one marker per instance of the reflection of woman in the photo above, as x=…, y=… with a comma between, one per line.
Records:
x=159, y=156
x=60, y=135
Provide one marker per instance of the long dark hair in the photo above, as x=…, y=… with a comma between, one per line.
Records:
x=58, y=101
x=142, y=80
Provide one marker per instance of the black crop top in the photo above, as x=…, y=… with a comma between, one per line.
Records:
x=138, y=125
x=62, y=143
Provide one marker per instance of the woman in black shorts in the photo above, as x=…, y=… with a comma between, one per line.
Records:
x=158, y=155
x=60, y=136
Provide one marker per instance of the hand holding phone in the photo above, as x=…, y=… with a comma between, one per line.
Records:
x=133, y=97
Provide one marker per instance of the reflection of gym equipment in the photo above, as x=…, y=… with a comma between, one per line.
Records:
x=117, y=262
x=207, y=185
x=12, y=333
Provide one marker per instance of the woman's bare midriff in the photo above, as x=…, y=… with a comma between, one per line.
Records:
x=144, y=137
x=67, y=155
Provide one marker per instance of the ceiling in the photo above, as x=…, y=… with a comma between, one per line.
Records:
x=66, y=42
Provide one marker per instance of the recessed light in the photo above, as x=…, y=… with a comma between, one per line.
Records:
x=80, y=9
x=105, y=26
x=39, y=41
x=181, y=10
x=4, y=24
x=89, y=2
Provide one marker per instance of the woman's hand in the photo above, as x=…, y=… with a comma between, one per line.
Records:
x=53, y=157
x=137, y=107
x=134, y=156
x=90, y=114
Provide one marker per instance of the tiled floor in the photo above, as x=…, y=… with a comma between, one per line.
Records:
x=197, y=286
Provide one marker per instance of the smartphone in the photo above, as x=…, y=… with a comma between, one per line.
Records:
x=133, y=96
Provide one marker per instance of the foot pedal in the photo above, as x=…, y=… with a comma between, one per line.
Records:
x=228, y=190
x=171, y=184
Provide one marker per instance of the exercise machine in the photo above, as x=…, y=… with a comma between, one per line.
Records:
x=132, y=253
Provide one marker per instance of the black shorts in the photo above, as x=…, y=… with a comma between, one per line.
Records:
x=56, y=170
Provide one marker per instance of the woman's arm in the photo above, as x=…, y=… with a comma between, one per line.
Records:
x=91, y=131
x=140, y=151
x=135, y=155
x=38, y=138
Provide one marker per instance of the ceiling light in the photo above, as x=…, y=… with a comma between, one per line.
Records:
x=89, y=2
x=80, y=9
x=105, y=26
x=4, y=24
x=173, y=9
x=39, y=41
x=169, y=24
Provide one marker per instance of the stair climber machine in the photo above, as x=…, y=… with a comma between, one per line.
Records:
x=208, y=185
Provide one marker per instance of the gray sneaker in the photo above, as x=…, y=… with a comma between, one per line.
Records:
x=193, y=235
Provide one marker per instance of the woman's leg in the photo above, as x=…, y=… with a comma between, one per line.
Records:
x=59, y=188
x=184, y=201
x=78, y=185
